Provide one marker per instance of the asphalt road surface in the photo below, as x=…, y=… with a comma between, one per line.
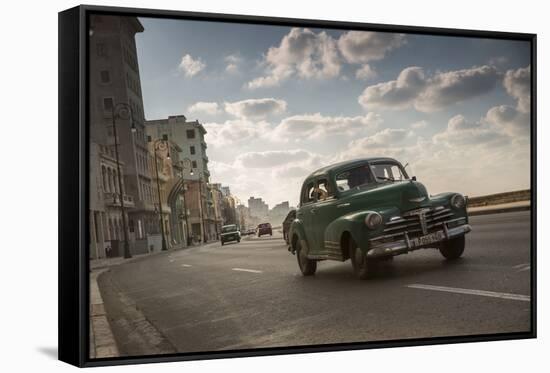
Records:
x=251, y=294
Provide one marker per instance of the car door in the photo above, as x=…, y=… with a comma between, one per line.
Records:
x=305, y=214
x=322, y=213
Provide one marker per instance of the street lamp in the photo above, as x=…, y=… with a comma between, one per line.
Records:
x=191, y=172
x=156, y=147
x=186, y=163
x=122, y=111
x=201, y=209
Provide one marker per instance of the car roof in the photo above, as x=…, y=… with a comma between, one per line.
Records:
x=345, y=164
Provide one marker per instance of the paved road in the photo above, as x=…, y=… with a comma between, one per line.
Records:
x=251, y=294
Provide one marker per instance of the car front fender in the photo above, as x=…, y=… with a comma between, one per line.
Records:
x=297, y=232
x=354, y=224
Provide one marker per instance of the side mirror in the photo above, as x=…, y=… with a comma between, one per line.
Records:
x=414, y=178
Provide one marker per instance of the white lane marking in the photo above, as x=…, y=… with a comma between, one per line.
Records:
x=171, y=260
x=246, y=270
x=186, y=265
x=494, y=294
x=522, y=267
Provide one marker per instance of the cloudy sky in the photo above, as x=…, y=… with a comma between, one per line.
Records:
x=279, y=102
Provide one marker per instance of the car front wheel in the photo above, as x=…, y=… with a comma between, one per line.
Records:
x=307, y=266
x=362, y=267
x=453, y=249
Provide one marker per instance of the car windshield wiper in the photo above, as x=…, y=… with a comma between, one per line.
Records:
x=386, y=178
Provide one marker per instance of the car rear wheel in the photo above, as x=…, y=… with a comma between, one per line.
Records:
x=222, y=243
x=362, y=267
x=453, y=249
x=307, y=266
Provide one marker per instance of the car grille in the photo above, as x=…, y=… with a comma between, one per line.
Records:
x=417, y=222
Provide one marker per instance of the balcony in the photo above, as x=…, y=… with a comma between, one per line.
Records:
x=113, y=199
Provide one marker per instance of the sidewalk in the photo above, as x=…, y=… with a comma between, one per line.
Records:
x=102, y=341
x=501, y=208
x=96, y=264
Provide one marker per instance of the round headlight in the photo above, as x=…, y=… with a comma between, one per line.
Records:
x=458, y=201
x=373, y=220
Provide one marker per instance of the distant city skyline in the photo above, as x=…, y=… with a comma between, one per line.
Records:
x=280, y=102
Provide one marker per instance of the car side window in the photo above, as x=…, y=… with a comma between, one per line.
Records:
x=308, y=193
x=322, y=190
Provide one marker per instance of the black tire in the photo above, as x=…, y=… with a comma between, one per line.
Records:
x=453, y=249
x=238, y=241
x=222, y=243
x=362, y=267
x=307, y=266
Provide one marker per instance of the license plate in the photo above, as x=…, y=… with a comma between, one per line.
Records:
x=427, y=239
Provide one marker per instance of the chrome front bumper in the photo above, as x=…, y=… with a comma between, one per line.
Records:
x=402, y=246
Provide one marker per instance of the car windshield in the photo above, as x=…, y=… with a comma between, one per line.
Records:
x=388, y=171
x=266, y=225
x=354, y=178
x=229, y=228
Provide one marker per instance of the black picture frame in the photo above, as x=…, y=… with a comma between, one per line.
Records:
x=74, y=184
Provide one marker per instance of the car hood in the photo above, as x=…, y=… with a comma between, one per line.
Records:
x=405, y=195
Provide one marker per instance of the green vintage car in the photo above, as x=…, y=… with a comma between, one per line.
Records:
x=230, y=232
x=369, y=210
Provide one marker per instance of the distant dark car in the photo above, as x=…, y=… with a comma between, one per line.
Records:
x=230, y=233
x=286, y=224
x=264, y=228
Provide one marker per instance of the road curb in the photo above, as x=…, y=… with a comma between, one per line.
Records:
x=498, y=210
x=102, y=340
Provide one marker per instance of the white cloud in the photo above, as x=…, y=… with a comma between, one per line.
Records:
x=512, y=121
x=273, y=175
x=363, y=46
x=463, y=133
x=234, y=132
x=256, y=108
x=413, y=88
x=190, y=66
x=365, y=72
x=444, y=89
x=208, y=108
x=518, y=85
x=302, y=53
x=471, y=157
x=389, y=137
x=395, y=94
x=317, y=126
x=419, y=125
x=233, y=61
x=270, y=159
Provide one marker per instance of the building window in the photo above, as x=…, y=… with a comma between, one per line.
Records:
x=101, y=50
x=192, y=149
x=148, y=138
x=108, y=104
x=190, y=134
x=194, y=164
x=105, y=76
x=104, y=178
